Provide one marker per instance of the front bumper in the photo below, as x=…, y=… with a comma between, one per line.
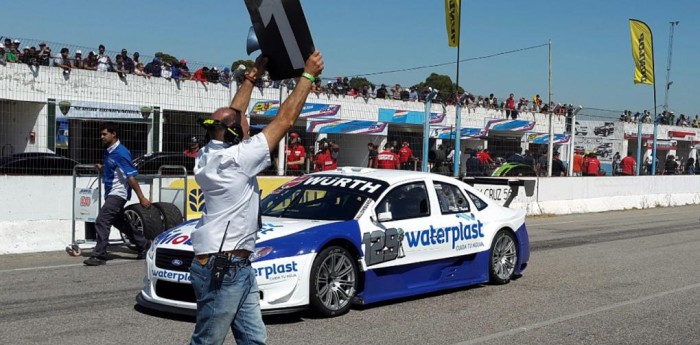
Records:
x=283, y=285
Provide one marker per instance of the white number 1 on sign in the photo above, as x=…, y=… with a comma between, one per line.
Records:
x=273, y=9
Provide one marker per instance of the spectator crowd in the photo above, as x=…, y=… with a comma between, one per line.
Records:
x=667, y=118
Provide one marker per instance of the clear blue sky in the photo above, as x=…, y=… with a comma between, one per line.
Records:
x=592, y=61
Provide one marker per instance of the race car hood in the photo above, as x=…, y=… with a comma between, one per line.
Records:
x=272, y=228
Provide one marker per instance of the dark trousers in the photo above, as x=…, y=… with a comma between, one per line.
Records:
x=112, y=213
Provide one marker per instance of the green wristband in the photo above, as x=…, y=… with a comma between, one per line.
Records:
x=308, y=76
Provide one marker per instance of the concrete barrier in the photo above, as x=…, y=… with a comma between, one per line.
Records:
x=35, y=211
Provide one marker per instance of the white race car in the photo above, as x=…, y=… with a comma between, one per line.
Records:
x=357, y=235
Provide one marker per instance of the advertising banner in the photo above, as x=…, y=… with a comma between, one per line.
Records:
x=270, y=108
x=99, y=110
x=449, y=133
x=642, y=52
x=535, y=138
x=347, y=127
x=509, y=125
x=603, y=138
x=409, y=116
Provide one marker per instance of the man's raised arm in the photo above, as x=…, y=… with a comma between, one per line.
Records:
x=291, y=108
x=245, y=90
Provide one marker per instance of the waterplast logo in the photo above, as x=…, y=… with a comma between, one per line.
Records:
x=277, y=271
x=449, y=234
x=173, y=276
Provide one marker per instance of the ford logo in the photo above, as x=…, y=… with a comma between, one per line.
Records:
x=176, y=262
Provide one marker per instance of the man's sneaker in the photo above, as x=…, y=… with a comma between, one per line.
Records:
x=142, y=254
x=94, y=261
x=143, y=251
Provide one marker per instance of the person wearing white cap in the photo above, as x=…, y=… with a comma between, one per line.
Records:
x=78, y=59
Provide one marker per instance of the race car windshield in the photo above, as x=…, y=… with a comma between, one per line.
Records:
x=312, y=203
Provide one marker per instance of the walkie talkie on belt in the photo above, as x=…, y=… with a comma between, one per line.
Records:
x=222, y=262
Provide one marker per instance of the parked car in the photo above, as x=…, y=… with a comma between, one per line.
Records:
x=149, y=164
x=357, y=236
x=604, y=150
x=605, y=130
x=36, y=163
x=581, y=129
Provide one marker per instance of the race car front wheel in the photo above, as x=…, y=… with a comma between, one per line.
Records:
x=503, y=257
x=333, y=282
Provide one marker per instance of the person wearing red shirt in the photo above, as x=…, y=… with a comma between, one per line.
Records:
x=578, y=163
x=484, y=157
x=193, y=149
x=327, y=156
x=510, y=108
x=387, y=159
x=406, y=157
x=201, y=75
x=295, y=155
x=628, y=165
x=591, y=165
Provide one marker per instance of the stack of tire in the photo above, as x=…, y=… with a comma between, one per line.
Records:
x=151, y=221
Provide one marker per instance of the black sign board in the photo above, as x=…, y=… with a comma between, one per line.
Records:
x=283, y=35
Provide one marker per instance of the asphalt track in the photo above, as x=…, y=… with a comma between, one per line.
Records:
x=607, y=278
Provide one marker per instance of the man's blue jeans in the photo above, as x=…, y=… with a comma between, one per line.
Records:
x=236, y=304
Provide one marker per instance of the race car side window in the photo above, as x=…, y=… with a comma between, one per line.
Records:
x=478, y=203
x=406, y=201
x=451, y=198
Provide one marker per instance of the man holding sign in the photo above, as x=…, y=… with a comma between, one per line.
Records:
x=226, y=168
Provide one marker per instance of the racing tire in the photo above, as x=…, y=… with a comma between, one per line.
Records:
x=171, y=214
x=334, y=280
x=503, y=257
x=146, y=220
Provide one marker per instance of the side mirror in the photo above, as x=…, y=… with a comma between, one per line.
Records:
x=384, y=216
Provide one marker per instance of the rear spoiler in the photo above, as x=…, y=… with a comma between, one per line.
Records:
x=513, y=183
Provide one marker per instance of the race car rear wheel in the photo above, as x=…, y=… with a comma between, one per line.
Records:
x=503, y=257
x=171, y=214
x=334, y=276
x=149, y=221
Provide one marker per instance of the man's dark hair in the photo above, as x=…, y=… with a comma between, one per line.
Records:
x=64, y=50
x=111, y=127
x=101, y=47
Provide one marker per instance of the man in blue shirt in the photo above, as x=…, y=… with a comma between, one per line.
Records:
x=119, y=176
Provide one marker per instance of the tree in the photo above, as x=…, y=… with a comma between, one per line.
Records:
x=247, y=63
x=443, y=83
x=359, y=82
x=165, y=57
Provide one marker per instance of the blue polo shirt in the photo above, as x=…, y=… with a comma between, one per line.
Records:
x=116, y=170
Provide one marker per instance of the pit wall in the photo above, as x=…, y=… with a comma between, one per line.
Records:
x=38, y=215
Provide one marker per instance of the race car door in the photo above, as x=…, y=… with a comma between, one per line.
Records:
x=404, y=209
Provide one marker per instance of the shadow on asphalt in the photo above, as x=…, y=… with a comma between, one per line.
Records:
x=301, y=316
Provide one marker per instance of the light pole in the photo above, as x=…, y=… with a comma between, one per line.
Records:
x=426, y=127
x=458, y=136
x=668, y=64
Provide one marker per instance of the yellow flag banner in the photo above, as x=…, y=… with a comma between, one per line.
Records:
x=452, y=20
x=642, y=52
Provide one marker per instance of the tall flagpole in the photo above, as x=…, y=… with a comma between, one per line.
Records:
x=550, y=147
x=458, y=120
x=656, y=124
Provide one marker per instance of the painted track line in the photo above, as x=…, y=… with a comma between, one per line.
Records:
x=564, y=318
x=111, y=262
